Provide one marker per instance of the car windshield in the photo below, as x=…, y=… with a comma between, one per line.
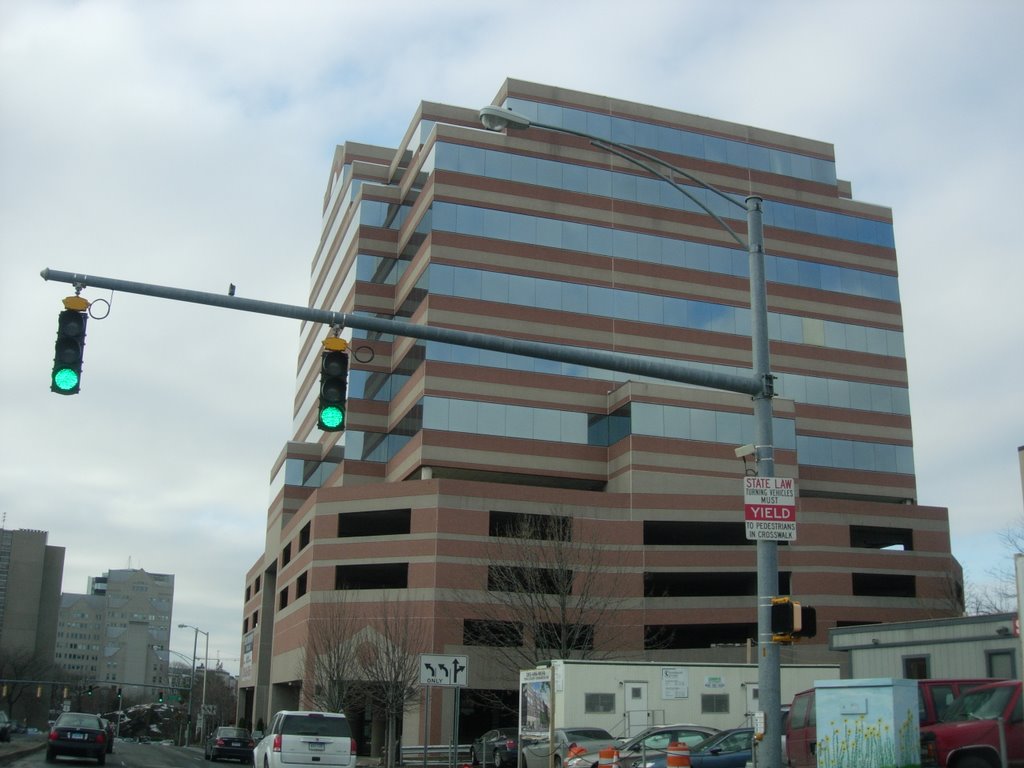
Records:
x=727, y=741
x=633, y=745
x=984, y=704
x=588, y=734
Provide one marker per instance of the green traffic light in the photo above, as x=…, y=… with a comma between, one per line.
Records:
x=332, y=417
x=65, y=379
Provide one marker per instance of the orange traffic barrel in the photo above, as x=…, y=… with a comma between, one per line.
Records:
x=608, y=757
x=678, y=755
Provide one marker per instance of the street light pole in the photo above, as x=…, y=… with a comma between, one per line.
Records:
x=769, y=689
x=206, y=670
x=192, y=682
x=191, y=686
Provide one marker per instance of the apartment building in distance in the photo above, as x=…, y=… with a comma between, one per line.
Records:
x=30, y=577
x=118, y=633
x=543, y=236
x=31, y=571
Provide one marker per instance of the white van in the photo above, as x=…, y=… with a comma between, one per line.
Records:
x=298, y=738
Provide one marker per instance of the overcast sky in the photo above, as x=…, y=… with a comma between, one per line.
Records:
x=188, y=144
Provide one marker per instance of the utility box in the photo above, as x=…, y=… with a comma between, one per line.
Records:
x=867, y=723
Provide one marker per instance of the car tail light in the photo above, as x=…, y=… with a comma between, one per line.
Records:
x=277, y=742
x=101, y=738
x=220, y=742
x=252, y=744
x=510, y=744
x=352, y=746
x=53, y=734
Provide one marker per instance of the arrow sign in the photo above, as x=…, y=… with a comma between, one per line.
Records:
x=443, y=669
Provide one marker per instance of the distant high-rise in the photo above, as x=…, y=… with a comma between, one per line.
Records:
x=30, y=577
x=542, y=236
x=119, y=633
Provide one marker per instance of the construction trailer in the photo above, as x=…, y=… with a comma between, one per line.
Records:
x=626, y=697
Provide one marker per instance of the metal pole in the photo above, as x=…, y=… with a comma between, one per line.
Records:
x=455, y=729
x=426, y=726
x=202, y=711
x=596, y=358
x=769, y=694
x=191, y=688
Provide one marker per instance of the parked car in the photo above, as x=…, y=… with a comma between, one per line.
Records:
x=227, y=743
x=982, y=727
x=306, y=738
x=496, y=748
x=801, y=731
x=567, y=743
x=647, y=745
x=731, y=748
x=5, y=726
x=77, y=734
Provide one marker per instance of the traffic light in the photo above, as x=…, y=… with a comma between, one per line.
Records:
x=88, y=691
x=160, y=697
x=792, y=621
x=70, y=347
x=333, y=385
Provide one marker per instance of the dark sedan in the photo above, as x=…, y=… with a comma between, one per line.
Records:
x=228, y=743
x=77, y=734
x=726, y=749
x=496, y=748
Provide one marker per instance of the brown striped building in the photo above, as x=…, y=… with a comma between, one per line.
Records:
x=539, y=235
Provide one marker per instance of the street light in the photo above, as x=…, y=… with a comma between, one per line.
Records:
x=206, y=666
x=496, y=118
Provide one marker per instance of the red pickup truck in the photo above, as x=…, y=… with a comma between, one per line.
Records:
x=983, y=728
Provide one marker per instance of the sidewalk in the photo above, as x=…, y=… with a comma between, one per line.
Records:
x=20, y=745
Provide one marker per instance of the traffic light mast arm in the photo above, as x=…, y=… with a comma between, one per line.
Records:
x=666, y=370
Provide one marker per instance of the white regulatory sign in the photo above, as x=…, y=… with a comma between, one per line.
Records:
x=769, y=508
x=440, y=669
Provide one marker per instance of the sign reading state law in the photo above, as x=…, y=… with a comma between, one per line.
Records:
x=769, y=507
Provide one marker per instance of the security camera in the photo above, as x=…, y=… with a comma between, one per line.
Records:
x=745, y=450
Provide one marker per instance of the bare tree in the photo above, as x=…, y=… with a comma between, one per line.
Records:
x=329, y=661
x=550, y=588
x=1013, y=538
x=22, y=672
x=998, y=593
x=388, y=652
